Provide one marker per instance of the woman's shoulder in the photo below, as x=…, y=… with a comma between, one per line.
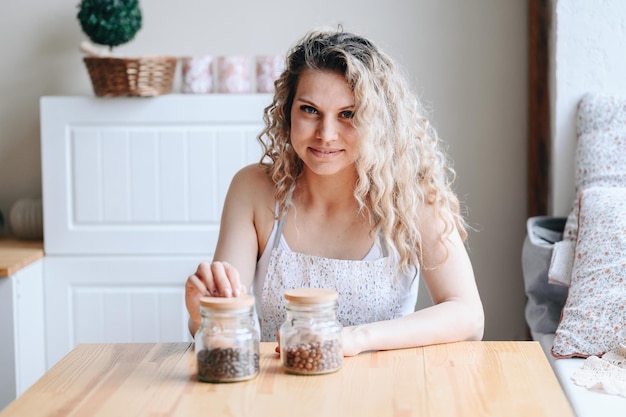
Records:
x=252, y=189
x=253, y=176
x=252, y=183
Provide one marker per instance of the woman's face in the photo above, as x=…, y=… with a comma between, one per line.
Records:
x=322, y=133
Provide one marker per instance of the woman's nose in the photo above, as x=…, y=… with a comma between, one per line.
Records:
x=327, y=129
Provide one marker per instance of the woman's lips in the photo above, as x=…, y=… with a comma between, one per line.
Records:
x=325, y=153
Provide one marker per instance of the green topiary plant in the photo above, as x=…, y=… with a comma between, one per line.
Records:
x=110, y=22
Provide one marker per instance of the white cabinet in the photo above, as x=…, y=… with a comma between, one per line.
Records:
x=22, y=358
x=133, y=190
x=115, y=299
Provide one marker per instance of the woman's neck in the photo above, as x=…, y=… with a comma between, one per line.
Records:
x=325, y=220
x=334, y=192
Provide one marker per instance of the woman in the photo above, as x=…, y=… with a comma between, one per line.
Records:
x=353, y=193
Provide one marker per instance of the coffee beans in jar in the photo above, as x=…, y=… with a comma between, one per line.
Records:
x=313, y=358
x=227, y=364
x=310, y=337
x=227, y=341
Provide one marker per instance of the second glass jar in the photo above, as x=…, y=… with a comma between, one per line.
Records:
x=310, y=337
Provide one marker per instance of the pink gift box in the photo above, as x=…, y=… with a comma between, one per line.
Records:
x=268, y=69
x=233, y=72
x=197, y=74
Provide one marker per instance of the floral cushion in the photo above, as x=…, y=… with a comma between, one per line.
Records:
x=600, y=161
x=593, y=320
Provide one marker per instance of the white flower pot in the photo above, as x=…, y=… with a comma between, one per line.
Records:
x=26, y=218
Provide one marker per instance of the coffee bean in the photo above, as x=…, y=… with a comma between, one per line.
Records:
x=227, y=364
x=313, y=358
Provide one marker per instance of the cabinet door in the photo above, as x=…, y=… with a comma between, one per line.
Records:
x=142, y=176
x=22, y=352
x=114, y=299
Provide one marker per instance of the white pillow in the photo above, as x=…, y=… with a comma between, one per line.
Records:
x=600, y=161
x=593, y=320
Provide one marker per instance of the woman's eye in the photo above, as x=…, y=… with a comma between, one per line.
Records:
x=348, y=114
x=308, y=109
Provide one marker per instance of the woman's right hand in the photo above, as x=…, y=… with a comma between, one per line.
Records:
x=216, y=279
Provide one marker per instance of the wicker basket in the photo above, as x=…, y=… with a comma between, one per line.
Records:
x=145, y=76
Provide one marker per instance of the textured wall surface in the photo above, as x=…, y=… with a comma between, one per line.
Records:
x=589, y=56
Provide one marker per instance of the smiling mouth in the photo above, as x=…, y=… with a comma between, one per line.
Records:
x=325, y=153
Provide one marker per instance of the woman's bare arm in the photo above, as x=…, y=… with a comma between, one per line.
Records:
x=232, y=270
x=457, y=313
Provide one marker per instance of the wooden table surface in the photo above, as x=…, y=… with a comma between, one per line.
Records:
x=503, y=379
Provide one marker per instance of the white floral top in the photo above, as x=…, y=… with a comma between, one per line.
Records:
x=368, y=289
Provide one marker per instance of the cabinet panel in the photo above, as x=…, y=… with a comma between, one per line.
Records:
x=29, y=325
x=121, y=176
x=22, y=352
x=115, y=299
x=129, y=313
x=154, y=176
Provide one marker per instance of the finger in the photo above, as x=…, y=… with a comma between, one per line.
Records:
x=195, y=284
x=205, y=273
x=194, y=289
x=235, y=281
x=242, y=289
x=221, y=279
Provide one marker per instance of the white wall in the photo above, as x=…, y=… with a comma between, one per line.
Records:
x=467, y=59
x=589, y=56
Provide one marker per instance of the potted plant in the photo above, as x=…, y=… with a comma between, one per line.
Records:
x=112, y=23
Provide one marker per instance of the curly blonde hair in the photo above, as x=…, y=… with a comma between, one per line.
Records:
x=400, y=166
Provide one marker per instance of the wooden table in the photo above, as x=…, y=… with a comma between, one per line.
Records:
x=452, y=380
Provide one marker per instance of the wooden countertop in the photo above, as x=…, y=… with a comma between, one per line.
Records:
x=16, y=254
x=477, y=379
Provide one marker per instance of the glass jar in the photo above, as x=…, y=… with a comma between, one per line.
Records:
x=227, y=341
x=310, y=337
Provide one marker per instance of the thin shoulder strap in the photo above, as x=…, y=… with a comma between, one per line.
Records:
x=281, y=221
x=383, y=245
